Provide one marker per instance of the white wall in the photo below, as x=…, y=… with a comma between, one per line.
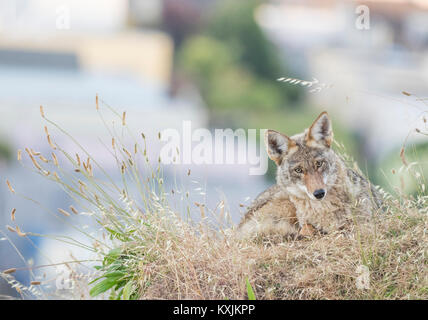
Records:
x=44, y=17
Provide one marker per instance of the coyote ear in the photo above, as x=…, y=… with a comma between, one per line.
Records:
x=277, y=145
x=320, y=132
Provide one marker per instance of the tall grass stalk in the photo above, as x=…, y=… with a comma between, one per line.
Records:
x=148, y=249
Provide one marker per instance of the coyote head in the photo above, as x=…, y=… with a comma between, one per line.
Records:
x=307, y=166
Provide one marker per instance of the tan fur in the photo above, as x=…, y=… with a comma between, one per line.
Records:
x=307, y=230
x=306, y=163
x=275, y=217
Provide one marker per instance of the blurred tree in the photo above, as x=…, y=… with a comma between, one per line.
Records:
x=204, y=58
x=233, y=22
x=224, y=82
x=5, y=152
x=235, y=65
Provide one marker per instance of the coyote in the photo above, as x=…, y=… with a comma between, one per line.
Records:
x=315, y=191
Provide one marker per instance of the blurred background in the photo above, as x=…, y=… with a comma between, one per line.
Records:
x=216, y=63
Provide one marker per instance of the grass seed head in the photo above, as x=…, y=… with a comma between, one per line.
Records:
x=55, y=160
x=10, y=186
x=63, y=212
x=36, y=164
x=403, y=157
x=127, y=153
x=74, y=210
x=30, y=154
x=50, y=142
x=19, y=232
x=9, y=271
x=41, y=157
x=42, y=113
x=35, y=153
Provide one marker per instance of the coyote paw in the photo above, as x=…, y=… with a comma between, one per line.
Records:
x=307, y=230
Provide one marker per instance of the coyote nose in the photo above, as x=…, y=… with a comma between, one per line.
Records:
x=319, y=194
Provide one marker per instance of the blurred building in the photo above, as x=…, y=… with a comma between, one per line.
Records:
x=93, y=37
x=364, y=71
x=146, y=13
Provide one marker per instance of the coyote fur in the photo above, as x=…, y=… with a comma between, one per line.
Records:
x=314, y=192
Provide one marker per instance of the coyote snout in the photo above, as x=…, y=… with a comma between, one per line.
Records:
x=315, y=186
x=319, y=194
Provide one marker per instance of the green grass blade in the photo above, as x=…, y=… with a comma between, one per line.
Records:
x=250, y=291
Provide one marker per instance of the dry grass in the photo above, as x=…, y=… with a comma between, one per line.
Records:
x=206, y=265
x=148, y=251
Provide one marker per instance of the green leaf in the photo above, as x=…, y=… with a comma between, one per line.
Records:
x=128, y=290
x=120, y=284
x=119, y=295
x=96, y=279
x=112, y=256
x=117, y=235
x=114, y=275
x=102, y=287
x=250, y=291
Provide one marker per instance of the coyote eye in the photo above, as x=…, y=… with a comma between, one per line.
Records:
x=298, y=170
x=319, y=164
